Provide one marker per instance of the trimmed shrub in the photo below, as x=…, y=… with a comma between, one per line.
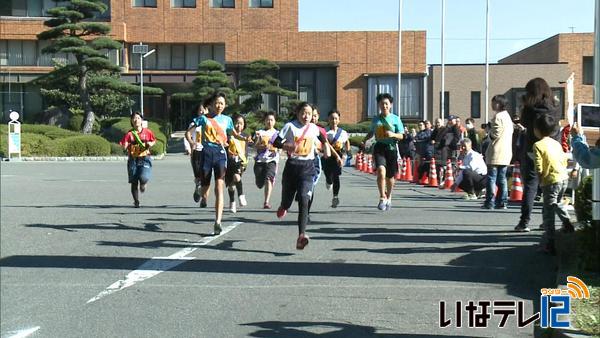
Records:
x=588, y=238
x=116, y=149
x=361, y=127
x=52, y=132
x=83, y=145
x=356, y=140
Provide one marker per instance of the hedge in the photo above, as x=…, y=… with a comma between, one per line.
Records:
x=44, y=140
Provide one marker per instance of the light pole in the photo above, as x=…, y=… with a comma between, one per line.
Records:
x=143, y=51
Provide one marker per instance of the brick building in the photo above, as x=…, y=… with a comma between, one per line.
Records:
x=343, y=70
x=553, y=59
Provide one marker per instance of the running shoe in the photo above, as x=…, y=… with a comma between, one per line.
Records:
x=486, y=206
x=335, y=202
x=203, y=203
x=266, y=206
x=302, y=241
x=217, y=229
x=281, y=212
x=382, y=204
x=243, y=201
x=328, y=186
x=522, y=227
x=470, y=197
x=197, y=194
x=388, y=205
x=501, y=206
x=136, y=204
x=233, y=207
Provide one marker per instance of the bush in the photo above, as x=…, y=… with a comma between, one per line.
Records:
x=361, y=127
x=588, y=238
x=583, y=201
x=356, y=140
x=51, y=132
x=116, y=149
x=83, y=145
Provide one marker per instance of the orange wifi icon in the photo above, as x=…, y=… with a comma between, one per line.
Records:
x=577, y=289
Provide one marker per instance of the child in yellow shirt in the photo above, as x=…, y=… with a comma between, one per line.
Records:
x=551, y=166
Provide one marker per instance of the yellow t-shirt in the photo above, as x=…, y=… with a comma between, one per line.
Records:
x=550, y=161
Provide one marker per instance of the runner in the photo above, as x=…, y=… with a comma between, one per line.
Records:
x=267, y=157
x=298, y=138
x=387, y=129
x=138, y=142
x=215, y=128
x=318, y=151
x=194, y=135
x=237, y=162
x=332, y=166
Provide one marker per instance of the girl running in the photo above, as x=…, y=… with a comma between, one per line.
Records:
x=332, y=166
x=267, y=157
x=195, y=136
x=138, y=142
x=298, y=138
x=318, y=151
x=237, y=162
x=215, y=128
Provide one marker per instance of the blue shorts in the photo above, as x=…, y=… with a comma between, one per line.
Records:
x=139, y=169
x=213, y=159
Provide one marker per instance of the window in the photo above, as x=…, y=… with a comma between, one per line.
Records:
x=261, y=3
x=476, y=105
x=183, y=3
x=410, y=103
x=223, y=3
x=178, y=57
x=588, y=70
x=144, y=3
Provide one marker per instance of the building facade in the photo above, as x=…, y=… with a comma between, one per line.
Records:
x=343, y=70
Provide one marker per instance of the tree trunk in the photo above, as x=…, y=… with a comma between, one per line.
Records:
x=88, y=123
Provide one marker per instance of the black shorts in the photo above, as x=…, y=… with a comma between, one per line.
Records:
x=264, y=171
x=331, y=167
x=196, y=160
x=213, y=159
x=387, y=156
x=233, y=167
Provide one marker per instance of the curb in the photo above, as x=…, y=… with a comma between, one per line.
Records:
x=75, y=159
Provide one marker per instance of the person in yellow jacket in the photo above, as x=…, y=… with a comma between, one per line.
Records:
x=237, y=161
x=551, y=167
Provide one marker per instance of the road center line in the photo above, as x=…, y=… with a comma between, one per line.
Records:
x=156, y=265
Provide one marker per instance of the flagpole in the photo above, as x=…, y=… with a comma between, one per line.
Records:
x=399, y=97
x=442, y=103
x=487, y=61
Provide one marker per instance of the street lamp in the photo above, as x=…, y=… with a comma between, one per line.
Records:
x=143, y=51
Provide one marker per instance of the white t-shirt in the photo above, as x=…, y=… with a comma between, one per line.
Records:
x=340, y=144
x=197, y=137
x=266, y=138
x=305, y=149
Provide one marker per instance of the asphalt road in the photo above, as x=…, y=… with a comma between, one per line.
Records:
x=78, y=261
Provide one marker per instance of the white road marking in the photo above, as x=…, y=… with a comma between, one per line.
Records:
x=157, y=265
x=22, y=333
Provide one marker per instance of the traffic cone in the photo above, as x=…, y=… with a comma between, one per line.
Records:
x=416, y=171
x=409, y=171
x=401, y=172
x=433, y=180
x=424, y=180
x=516, y=193
x=363, y=166
x=370, y=165
x=449, y=181
x=358, y=161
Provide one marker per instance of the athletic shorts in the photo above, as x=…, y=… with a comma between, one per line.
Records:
x=331, y=167
x=214, y=159
x=233, y=167
x=387, y=156
x=139, y=169
x=264, y=171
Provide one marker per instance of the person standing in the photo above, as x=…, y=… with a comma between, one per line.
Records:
x=498, y=154
x=215, y=130
x=473, y=135
x=388, y=130
x=138, y=142
x=537, y=101
x=424, y=148
x=299, y=138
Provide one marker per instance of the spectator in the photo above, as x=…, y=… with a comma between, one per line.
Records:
x=406, y=146
x=424, y=147
x=437, y=139
x=551, y=167
x=473, y=135
x=498, y=154
x=472, y=177
x=586, y=157
x=538, y=100
x=485, y=143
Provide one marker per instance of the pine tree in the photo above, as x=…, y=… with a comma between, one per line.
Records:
x=259, y=78
x=71, y=33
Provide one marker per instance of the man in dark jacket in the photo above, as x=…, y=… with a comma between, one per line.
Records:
x=423, y=147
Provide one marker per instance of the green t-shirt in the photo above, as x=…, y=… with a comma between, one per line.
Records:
x=380, y=125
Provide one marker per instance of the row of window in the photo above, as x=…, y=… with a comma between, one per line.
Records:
x=29, y=53
x=178, y=56
x=38, y=8
x=213, y=3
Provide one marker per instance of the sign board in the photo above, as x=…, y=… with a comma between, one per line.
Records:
x=14, y=135
x=139, y=49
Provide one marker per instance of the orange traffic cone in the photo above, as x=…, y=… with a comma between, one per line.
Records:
x=516, y=193
x=449, y=181
x=416, y=172
x=424, y=180
x=400, y=172
x=370, y=165
x=363, y=166
x=409, y=171
x=358, y=162
x=433, y=180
